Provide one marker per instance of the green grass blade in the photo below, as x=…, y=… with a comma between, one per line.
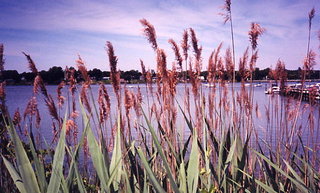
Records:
x=39, y=168
x=126, y=178
x=25, y=168
x=193, y=165
x=96, y=154
x=231, y=152
x=263, y=185
x=302, y=187
x=74, y=172
x=159, y=148
x=183, y=177
x=15, y=176
x=189, y=123
x=294, y=173
x=58, y=160
x=151, y=175
x=116, y=163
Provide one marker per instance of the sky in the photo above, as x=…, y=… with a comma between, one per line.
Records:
x=55, y=32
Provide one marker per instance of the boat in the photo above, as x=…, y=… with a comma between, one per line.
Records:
x=258, y=85
x=272, y=90
x=209, y=85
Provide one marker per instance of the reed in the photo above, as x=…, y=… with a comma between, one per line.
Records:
x=1, y=59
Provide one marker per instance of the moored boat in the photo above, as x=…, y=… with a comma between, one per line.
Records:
x=272, y=90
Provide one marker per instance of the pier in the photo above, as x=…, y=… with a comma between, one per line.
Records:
x=311, y=92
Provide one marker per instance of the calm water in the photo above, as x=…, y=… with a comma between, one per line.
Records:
x=18, y=97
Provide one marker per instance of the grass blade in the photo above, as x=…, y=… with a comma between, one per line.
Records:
x=159, y=148
x=193, y=165
x=25, y=168
x=15, y=176
x=58, y=160
x=151, y=175
x=116, y=163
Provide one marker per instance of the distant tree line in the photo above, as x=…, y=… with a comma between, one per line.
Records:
x=56, y=74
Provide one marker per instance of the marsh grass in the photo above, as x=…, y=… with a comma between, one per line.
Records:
x=141, y=148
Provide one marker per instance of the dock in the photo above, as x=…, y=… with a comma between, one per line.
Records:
x=310, y=93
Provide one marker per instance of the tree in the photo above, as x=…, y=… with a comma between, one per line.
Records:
x=11, y=75
x=27, y=76
x=130, y=75
x=55, y=75
x=96, y=74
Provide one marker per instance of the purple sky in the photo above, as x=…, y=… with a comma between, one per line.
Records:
x=55, y=32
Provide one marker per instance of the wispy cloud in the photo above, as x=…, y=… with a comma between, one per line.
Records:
x=55, y=31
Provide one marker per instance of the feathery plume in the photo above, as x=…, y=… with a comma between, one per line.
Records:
x=319, y=37
x=70, y=77
x=229, y=62
x=38, y=118
x=71, y=80
x=32, y=65
x=32, y=110
x=220, y=68
x=184, y=44
x=217, y=52
x=161, y=64
x=128, y=100
x=83, y=70
x=84, y=97
x=104, y=103
x=243, y=65
x=115, y=75
x=254, y=33
x=52, y=107
x=311, y=16
x=70, y=126
x=59, y=93
x=2, y=91
x=253, y=60
x=149, y=80
x=137, y=102
x=1, y=59
x=30, y=107
x=150, y=33
x=176, y=51
x=281, y=73
x=310, y=61
x=213, y=62
x=17, y=117
x=197, y=50
x=226, y=7
x=143, y=69
x=172, y=77
x=38, y=84
x=2, y=96
x=211, y=68
x=194, y=79
x=217, y=57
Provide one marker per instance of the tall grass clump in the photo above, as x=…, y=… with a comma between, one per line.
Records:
x=205, y=142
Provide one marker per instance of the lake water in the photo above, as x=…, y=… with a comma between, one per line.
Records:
x=18, y=97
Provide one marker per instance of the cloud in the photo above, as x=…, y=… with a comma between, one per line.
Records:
x=84, y=26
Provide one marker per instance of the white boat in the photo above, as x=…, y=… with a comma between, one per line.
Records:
x=273, y=90
x=208, y=85
x=258, y=85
